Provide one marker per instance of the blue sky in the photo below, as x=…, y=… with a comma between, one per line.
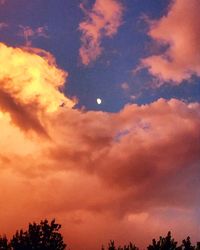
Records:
x=121, y=53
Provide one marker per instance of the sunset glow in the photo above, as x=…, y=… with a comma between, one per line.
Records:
x=100, y=118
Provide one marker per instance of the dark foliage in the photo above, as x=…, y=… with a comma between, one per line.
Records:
x=46, y=236
x=43, y=236
x=198, y=246
x=164, y=243
x=168, y=243
x=187, y=244
x=111, y=246
x=4, y=243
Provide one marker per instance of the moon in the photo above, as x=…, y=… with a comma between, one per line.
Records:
x=99, y=101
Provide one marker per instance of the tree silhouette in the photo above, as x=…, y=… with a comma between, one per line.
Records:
x=187, y=244
x=42, y=236
x=4, y=243
x=198, y=246
x=111, y=246
x=164, y=243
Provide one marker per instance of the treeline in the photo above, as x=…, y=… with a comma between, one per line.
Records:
x=164, y=243
x=46, y=236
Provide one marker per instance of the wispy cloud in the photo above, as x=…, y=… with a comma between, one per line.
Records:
x=3, y=26
x=2, y=1
x=125, y=86
x=103, y=20
x=28, y=33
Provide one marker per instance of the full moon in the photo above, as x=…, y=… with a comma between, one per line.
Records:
x=99, y=101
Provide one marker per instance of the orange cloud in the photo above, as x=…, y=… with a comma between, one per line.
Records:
x=179, y=29
x=101, y=174
x=102, y=21
x=29, y=86
x=94, y=173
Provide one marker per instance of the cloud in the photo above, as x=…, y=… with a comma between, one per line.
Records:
x=3, y=26
x=28, y=33
x=29, y=86
x=125, y=86
x=179, y=31
x=2, y=1
x=113, y=146
x=103, y=20
x=101, y=174
x=95, y=171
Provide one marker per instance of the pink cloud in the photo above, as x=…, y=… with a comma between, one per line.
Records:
x=102, y=21
x=2, y=1
x=125, y=86
x=28, y=33
x=3, y=26
x=179, y=29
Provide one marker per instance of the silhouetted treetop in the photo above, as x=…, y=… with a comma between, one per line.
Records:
x=187, y=244
x=111, y=246
x=164, y=243
x=42, y=236
x=4, y=245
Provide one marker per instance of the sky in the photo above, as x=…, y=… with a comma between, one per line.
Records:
x=126, y=168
